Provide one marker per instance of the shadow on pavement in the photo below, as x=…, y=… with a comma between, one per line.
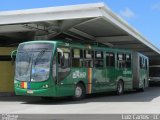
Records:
x=147, y=96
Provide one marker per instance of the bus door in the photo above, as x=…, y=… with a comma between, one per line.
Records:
x=64, y=83
x=110, y=70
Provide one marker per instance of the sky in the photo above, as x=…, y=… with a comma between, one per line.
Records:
x=143, y=15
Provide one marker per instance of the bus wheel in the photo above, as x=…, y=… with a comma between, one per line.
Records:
x=120, y=87
x=79, y=92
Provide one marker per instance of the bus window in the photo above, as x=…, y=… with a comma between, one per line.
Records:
x=98, y=63
x=98, y=59
x=128, y=60
x=121, y=60
x=110, y=59
x=88, y=63
x=99, y=55
x=63, y=63
x=107, y=59
x=146, y=64
x=77, y=57
x=142, y=63
x=89, y=56
x=119, y=57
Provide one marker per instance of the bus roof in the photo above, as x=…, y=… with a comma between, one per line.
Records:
x=78, y=45
x=94, y=22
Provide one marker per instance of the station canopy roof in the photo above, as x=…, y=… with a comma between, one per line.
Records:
x=86, y=22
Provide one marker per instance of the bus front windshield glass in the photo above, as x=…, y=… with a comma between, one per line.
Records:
x=154, y=72
x=33, y=62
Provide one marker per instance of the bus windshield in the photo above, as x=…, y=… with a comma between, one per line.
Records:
x=33, y=62
x=154, y=72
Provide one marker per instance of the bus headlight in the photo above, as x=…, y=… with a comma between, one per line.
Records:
x=45, y=86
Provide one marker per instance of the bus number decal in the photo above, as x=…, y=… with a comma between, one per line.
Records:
x=127, y=72
x=78, y=74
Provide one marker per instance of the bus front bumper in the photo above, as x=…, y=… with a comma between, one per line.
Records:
x=49, y=92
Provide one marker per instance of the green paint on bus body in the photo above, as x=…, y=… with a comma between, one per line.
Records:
x=102, y=79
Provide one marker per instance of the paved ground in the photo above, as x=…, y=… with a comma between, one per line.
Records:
x=132, y=102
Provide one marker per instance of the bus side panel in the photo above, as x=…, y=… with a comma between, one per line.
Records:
x=111, y=77
x=66, y=87
x=99, y=80
x=128, y=83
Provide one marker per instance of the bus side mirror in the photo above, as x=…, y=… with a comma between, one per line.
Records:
x=13, y=55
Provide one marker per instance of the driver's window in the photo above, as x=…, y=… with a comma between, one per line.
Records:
x=63, y=54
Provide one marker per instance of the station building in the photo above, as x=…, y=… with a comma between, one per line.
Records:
x=86, y=22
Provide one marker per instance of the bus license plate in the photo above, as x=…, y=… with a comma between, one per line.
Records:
x=30, y=91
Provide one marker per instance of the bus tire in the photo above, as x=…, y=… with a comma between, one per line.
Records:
x=79, y=92
x=120, y=88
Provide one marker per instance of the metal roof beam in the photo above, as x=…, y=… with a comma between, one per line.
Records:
x=46, y=36
x=88, y=21
x=80, y=38
x=131, y=46
x=13, y=29
x=149, y=53
x=76, y=31
x=82, y=33
x=114, y=39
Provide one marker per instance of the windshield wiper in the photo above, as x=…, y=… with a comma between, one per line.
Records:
x=29, y=62
x=40, y=54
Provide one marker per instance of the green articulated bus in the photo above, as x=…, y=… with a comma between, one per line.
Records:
x=57, y=68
